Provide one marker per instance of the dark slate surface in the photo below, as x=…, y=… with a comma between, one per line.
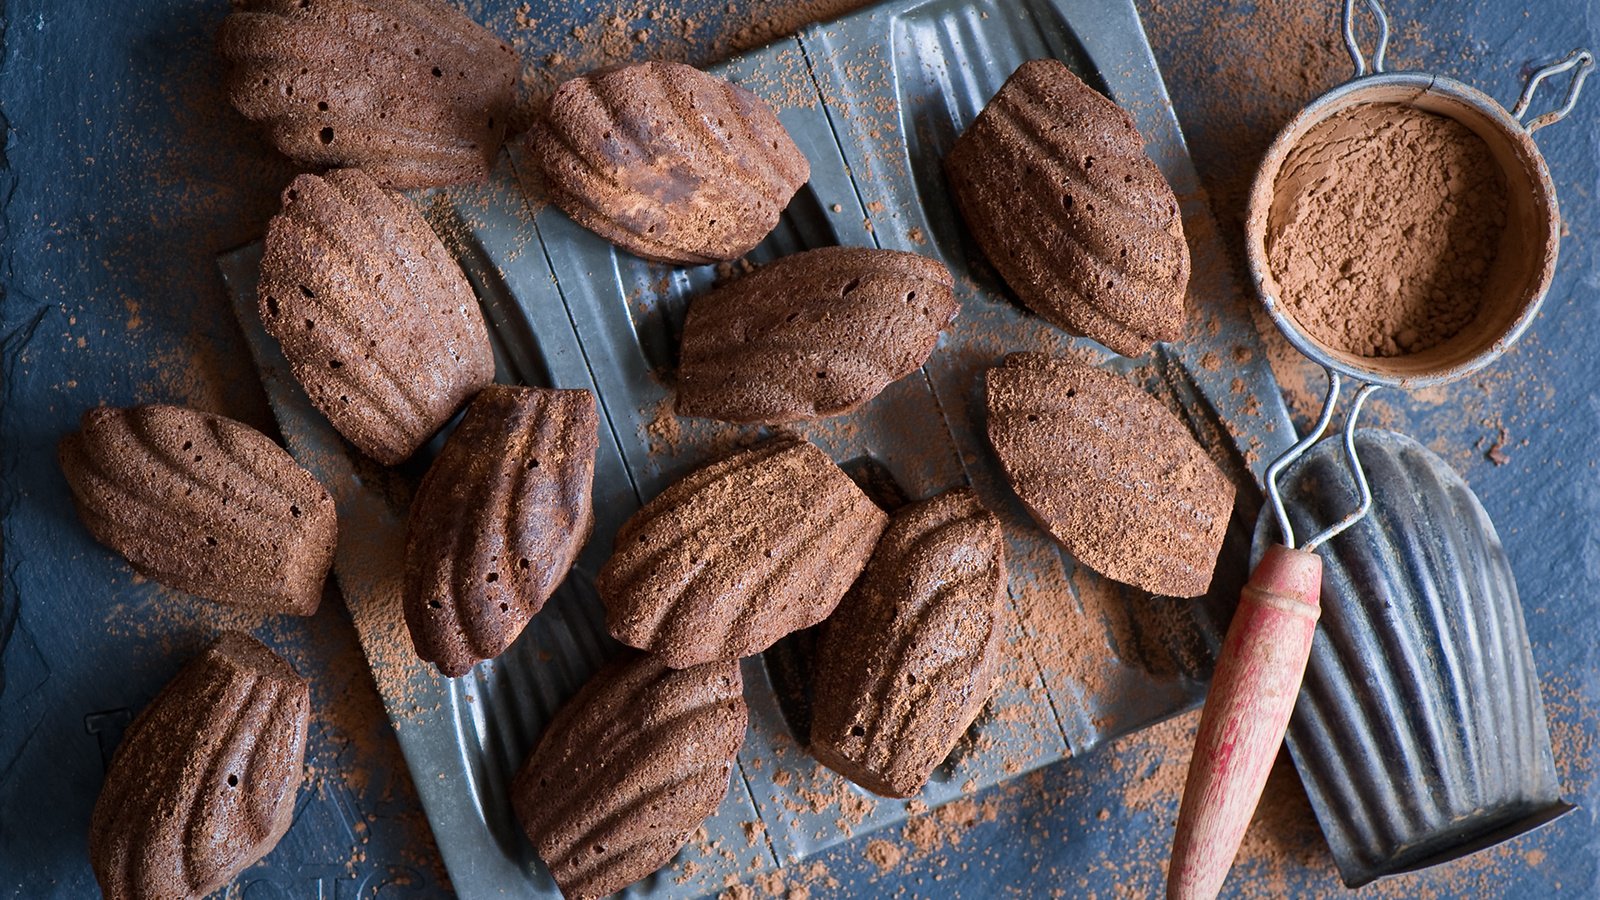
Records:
x=124, y=175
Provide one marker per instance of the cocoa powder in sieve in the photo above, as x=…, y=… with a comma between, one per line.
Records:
x=1385, y=224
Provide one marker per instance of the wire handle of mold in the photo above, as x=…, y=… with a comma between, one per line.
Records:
x=1353, y=44
x=1293, y=454
x=1580, y=59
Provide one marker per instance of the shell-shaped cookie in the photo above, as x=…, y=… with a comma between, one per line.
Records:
x=412, y=91
x=667, y=162
x=910, y=656
x=1054, y=184
x=1110, y=472
x=204, y=781
x=203, y=504
x=813, y=334
x=738, y=554
x=376, y=319
x=628, y=769
x=497, y=521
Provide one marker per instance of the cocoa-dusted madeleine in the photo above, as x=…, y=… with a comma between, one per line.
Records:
x=628, y=769
x=497, y=521
x=667, y=162
x=738, y=554
x=204, y=504
x=411, y=91
x=1110, y=472
x=909, y=658
x=204, y=781
x=813, y=334
x=1054, y=184
x=376, y=319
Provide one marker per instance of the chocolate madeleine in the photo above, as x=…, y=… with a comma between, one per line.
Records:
x=814, y=334
x=910, y=656
x=411, y=91
x=1054, y=184
x=738, y=554
x=203, y=504
x=378, y=323
x=628, y=769
x=497, y=522
x=204, y=781
x=667, y=162
x=1110, y=472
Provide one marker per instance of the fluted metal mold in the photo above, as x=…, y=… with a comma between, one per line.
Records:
x=1419, y=733
x=1110, y=472
x=204, y=504
x=668, y=162
x=1053, y=181
x=498, y=521
x=628, y=769
x=909, y=658
x=378, y=323
x=411, y=91
x=814, y=334
x=738, y=554
x=204, y=781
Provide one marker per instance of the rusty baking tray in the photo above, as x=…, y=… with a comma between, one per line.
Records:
x=874, y=99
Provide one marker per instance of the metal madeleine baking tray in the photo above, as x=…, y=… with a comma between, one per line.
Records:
x=874, y=100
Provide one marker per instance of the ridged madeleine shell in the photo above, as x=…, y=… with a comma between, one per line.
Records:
x=628, y=769
x=1110, y=472
x=909, y=658
x=204, y=781
x=203, y=504
x=376, y=319
x=738, y=554
x=813, y=334
x=412, y=91
x=1054, y=184
x=497, y=521
x=667, y=162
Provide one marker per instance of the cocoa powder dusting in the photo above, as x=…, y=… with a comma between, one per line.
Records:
x=1385, y=223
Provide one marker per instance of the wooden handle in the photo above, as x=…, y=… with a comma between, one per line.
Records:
x=1247, y=711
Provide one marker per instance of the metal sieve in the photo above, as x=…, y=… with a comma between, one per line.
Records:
x=1264, y=654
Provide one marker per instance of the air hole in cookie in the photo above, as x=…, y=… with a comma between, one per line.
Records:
x=210, y=541
x=198, y=457
x=492, y=577
x=822, y=374
x=188, y=445
x=857, y=730
x=335, y=364
x=436, y=604
x=294, y=511
x=438, y=72
x=310, y=324
x=288, y=90
x=322, y=106
x=533, y=464
x=326, y=135
x=1032, y=417
x=1088, y=163
x=308, y=293
x=599, y=848
x=272, y=306
x=852, y=285
x=1072, y=392
x=911, y=678
x=1067, y=201
x=522, y=563
x=233, y=781
x=505, y=607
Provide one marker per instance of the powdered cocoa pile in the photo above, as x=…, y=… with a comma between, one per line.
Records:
x=1385, y=224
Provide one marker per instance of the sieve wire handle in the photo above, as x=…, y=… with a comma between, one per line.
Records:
x=1580, y=59
x=1353, y=44
x=1293, y=454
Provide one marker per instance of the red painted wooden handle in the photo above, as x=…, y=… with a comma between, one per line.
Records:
x=1252, y=694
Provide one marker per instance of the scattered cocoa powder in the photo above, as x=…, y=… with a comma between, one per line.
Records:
x=1385, y=222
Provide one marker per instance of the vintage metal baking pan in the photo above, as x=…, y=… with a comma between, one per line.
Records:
x=874, y=99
